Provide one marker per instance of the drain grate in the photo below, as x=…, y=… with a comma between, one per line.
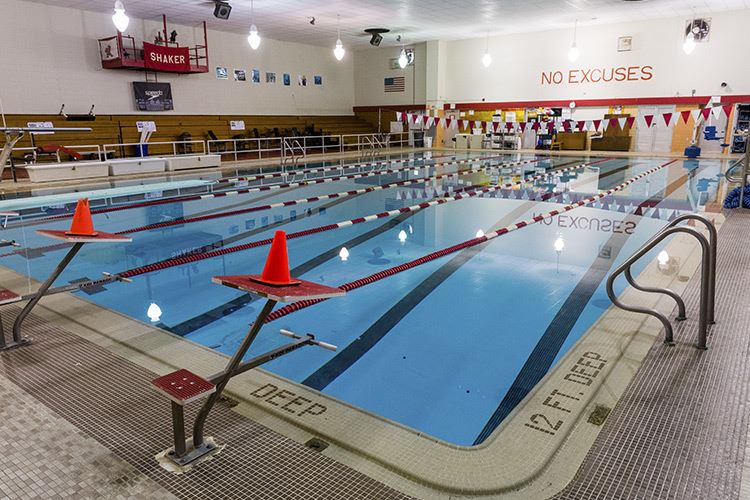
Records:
x=316, y=444
x=599, y=415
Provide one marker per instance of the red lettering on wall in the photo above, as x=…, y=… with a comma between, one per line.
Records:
x=580, y=76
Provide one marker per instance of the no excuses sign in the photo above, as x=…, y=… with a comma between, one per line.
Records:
x=162, y=58
x=598, y=75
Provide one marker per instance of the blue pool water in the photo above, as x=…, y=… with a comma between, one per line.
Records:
x=436, y=348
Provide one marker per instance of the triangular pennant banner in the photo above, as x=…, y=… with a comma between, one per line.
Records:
x=727, y=109
x=613, y=122
x=649, y=119
x=465, y=124
x=716, y=111
x=399, y=116
x=597, y=124
x=448, y=122
x=630, y=121
x=706, y=112
x=535, y=126
x=523, y=126
x=621, y=122
x=425, y=119
x=667, y=118
x=696, y=113
x=581, y=125
x=685, y=115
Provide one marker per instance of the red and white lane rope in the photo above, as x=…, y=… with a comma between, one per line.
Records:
x=285, y=185
x=331, y=168
x=311, y=199
x=158, y=225
x=296, y=306
x=414, y=208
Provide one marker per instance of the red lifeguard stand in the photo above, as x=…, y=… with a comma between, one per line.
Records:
x=123, y=52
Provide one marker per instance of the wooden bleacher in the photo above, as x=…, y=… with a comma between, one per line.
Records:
x=116, y=129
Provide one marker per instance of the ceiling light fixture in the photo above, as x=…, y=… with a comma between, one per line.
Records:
x=253, y=38
x=574, y=53
x=487, y=58
x=403, y=60
x=119, y=18
x=338, y=51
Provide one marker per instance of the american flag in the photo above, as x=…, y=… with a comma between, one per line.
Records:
x=394, y=84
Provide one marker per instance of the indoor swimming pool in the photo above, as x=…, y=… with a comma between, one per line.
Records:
x=448, y=347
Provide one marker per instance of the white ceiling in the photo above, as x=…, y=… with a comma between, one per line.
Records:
x=417, y=20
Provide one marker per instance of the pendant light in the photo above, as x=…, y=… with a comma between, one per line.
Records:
x=574, y=53
x=403, y=60
x=338, y=51
x=253, y=38
x=119, y=18
x=487, y=58
x=688, y=46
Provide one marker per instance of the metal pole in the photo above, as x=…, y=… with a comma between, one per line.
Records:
x=40, y=293
x=200, y=420
x=178, y=429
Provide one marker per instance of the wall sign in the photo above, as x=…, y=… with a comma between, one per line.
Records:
x=40, y=125
x=164, y=58
x=153, y=96
x=598, y=75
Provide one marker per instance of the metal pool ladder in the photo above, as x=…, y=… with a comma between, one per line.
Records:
x=708, y=278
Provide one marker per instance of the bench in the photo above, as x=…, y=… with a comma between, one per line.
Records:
x=129, y=166
x=46, y=172
x=192, y=161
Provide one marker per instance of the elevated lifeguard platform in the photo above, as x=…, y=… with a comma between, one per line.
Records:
x=123, y=52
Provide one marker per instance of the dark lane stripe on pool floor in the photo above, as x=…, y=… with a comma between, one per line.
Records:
x=548, y=347
x=342, y=361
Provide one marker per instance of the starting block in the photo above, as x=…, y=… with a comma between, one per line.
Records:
x=183, y=386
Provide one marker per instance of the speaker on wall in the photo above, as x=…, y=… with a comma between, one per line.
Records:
x=222, y=10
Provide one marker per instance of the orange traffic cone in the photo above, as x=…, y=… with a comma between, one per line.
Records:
x=82, y=224
x=276, y=271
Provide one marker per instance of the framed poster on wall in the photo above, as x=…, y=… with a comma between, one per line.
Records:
x=153, y=96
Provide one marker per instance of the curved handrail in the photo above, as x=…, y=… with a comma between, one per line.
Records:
x=705, y=259
x=712, y=242
x=681, y=316
x=729, y=175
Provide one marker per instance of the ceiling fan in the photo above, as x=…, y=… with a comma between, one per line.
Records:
x=699, y=28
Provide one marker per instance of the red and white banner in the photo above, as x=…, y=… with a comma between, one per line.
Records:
x=163, y=58
x=569, y=125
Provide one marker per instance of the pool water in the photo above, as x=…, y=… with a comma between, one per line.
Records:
x=449, y=347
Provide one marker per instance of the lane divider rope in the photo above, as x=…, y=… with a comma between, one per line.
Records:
x=311, y=199
x=342, y=194
x=197, y=197
x=420, y=206
x=296, y=306
x=331, y=168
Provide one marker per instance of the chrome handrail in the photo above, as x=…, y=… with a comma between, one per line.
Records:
x=708, y=279
x=291, y=146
